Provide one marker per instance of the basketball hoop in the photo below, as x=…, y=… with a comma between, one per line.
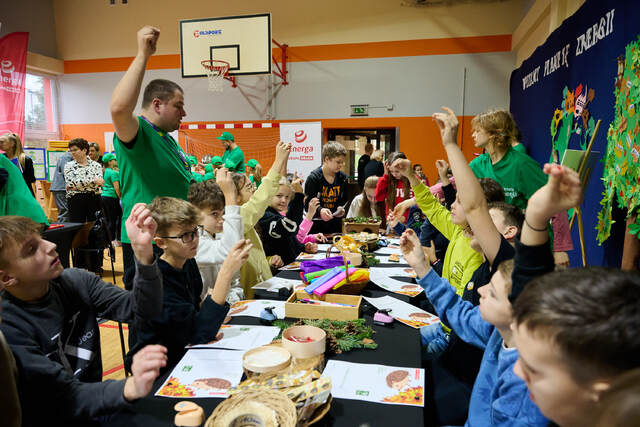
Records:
x=216, y=71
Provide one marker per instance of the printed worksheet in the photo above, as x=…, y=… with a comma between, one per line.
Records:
x=306, y=257
x=388, y=250
x=241, y=337
x=275, y=283
x=376, y=383
x=384, y=259
x=204, y=373
x=295, y=265
x=386, y=278
x=253, y=307
x=404, y=312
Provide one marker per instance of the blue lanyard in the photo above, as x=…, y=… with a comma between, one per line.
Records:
x=173, y=145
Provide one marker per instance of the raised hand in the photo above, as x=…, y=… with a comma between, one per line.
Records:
x=237, y=257
x=145, y=368
x=402, y=166
x=141, y=227
x=282, y=152
x=314, y=204
x=224, y=179
x=296, y=183
x=443, y=168
x=148, y=40
x=412, y=252
x=561, y=192
x=448, y=124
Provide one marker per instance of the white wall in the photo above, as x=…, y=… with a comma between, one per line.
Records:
x=416, y=85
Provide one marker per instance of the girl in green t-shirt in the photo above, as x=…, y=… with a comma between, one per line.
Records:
x=111, y=197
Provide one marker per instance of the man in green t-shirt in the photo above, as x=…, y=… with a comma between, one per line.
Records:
x=15, y=196
x=151, y=162
x=233, y=157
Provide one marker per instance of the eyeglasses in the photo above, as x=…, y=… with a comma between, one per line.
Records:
x=187, y=237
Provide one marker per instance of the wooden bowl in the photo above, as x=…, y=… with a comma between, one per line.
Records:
x=304, y=350
x=266, y=359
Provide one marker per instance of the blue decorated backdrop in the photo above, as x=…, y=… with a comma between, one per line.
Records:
x=559, y=93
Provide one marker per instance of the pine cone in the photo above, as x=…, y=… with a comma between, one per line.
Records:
x=332, y=344
x=351, y=328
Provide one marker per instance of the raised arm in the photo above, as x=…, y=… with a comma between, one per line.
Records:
x=125, y=95
x=533, y=253
x=470, y=192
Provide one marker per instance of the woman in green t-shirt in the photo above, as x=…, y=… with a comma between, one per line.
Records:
x=519, y=174
x=111, y=197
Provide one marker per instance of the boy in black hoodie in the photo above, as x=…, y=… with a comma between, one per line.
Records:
x=49, y=320
x=279, y=232
x=329, y=184
x=183, y=319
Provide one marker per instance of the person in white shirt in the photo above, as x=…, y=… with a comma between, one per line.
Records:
x=222, y=228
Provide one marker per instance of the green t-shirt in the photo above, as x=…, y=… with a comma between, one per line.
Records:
x=150, y=166
x=516, y=172
x=209, y=175
x=520, y=147
x=196, y=177
x=235, y=156
x=253, y=180
x=110, y=176
x=15, y=196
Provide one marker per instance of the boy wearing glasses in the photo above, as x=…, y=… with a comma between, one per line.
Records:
x=184, y=319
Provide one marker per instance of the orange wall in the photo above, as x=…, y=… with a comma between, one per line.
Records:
x=418, y=137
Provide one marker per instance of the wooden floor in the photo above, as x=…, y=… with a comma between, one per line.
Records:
x=112, y=363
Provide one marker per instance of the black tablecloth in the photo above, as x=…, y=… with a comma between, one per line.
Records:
x=62, y=237
x=398, y=345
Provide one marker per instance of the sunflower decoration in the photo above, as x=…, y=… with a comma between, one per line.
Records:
x=570, y=103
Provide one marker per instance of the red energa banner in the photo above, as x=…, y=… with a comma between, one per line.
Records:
x=13, y=74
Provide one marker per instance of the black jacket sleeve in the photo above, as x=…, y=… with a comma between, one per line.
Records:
x=312, y=187
x=449, y=195
x=529, y=263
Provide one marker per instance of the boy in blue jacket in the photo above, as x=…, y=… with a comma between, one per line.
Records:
x=499, y=397
x=577, y=329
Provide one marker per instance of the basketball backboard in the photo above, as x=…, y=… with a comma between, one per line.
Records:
x=242, y=41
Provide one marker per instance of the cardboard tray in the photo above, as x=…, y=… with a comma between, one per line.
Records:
x=309, y=311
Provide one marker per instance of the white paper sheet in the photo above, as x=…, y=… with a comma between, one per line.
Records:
x=295, y=265
x=376, y=383
x=404, y=312
x=253, y=308
x=204, y=373
x=275, y=283
x=384, y=277
x=242, y=337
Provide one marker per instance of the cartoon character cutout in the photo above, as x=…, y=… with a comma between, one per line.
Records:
x=398, y=379
x=211, y=384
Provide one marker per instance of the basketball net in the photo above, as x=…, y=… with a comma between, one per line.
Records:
x=216, y=71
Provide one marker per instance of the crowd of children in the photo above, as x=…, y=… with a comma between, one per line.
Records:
x=529, y=344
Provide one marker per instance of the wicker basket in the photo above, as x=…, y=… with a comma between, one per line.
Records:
x=348, y=288
x=260, y=404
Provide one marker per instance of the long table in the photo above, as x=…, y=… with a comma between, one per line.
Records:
x=398, y=345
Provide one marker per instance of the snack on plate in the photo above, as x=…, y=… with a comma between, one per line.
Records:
x=394, y=258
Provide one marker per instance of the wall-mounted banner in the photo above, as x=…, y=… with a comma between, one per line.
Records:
x=306, y=146
x=566, y=86
x=13, y=74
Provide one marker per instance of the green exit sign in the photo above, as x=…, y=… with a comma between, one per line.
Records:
x=360, y=110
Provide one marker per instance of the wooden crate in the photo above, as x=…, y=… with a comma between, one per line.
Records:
x=310, y=311
x=358, y=227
